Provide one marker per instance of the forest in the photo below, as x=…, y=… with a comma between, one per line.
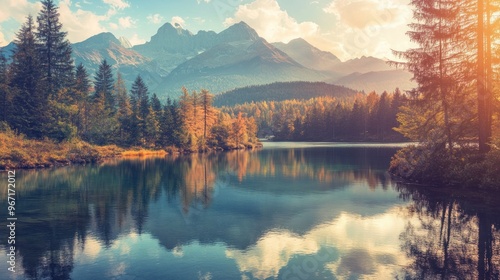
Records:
x=43, y=96
x=358, y=117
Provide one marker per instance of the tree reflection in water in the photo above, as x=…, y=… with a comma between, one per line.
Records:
x=451, y=236
x=68, y=213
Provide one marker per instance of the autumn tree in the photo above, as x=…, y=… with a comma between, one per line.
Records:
x=440, y=68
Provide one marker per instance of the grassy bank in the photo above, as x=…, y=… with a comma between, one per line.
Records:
x=18, y=152
x=463, y=167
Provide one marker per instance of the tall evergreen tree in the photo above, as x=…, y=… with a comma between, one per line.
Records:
x=26, y=80
x=4, y=88
x=81, y=95
x=140, y=110
x=440, y=68
x=55, y=50
x=103, y=85
x=124, y=111
x=167, y=125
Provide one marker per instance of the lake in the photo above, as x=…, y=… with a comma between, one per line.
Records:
x=288, y=211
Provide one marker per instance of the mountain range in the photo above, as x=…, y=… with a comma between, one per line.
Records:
x=236, y=57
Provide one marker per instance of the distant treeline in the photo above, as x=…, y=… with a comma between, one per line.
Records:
x=44, y=96
x=361, y=117
x=281, y=91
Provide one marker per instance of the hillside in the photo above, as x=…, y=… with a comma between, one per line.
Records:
x=379, y=81
x=280, y=92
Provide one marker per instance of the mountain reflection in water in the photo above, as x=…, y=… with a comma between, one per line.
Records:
x=289, y=213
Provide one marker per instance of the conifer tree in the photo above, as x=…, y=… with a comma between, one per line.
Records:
x=55, y=50
x=140, y=110
x=26, y=80
x=440, y=67
x=166, y=125
x=81, y=98
x=124, y=111
x=4, y=88
x=103, y=85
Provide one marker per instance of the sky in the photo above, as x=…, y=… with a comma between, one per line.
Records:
x=347, y=28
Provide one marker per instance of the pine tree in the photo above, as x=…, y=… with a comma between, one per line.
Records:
x=55, y=50
x=440, y=67
x=4, y=89
x=26, y=81
x=166, y=125
x=140, y=110
x=103, y=85
x=81, y=97
x=124, y=111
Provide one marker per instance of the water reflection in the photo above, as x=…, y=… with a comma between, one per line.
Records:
x=308, y=213
x=451, y=237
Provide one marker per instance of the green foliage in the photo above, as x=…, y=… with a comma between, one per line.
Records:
x=103, y=85
x=54, y=49
x=280, y=92
x=360, y=118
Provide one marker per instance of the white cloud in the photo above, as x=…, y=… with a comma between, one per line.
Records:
x=365, y=13
x=18, y=10
x=126, y=22
x=203, y=1
x=136, y=40
x=271, y=22
x=113, y=25
x=117, y=4
x=372, y=253
x=155, y=19
x=80, y=24
x=178, y=20
x=3, y=41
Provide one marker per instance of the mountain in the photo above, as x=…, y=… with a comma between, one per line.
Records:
x=125, y=42
x=364, y=73
x=7, y=51
x=309, y=56
x=378, y=81
x=241, y=58
x=234, y=58
x=281, y=91
x=128, y=62
x=172, y=45
x=363, y=64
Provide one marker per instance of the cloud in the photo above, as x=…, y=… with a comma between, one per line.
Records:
x=18, y=10
x=176, y=20
x=126, y=22
x=113, y=25
x=80, y=24
x=155, y=19
x=372, y=253
x=203, y=1
x=117, y=4
x=271, y=22
x=364, y=13
x=136, y=40
x=3, y=41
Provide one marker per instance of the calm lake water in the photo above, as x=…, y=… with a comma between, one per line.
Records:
x=289, y=211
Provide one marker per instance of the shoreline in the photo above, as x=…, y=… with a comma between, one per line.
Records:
x=17, y=152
